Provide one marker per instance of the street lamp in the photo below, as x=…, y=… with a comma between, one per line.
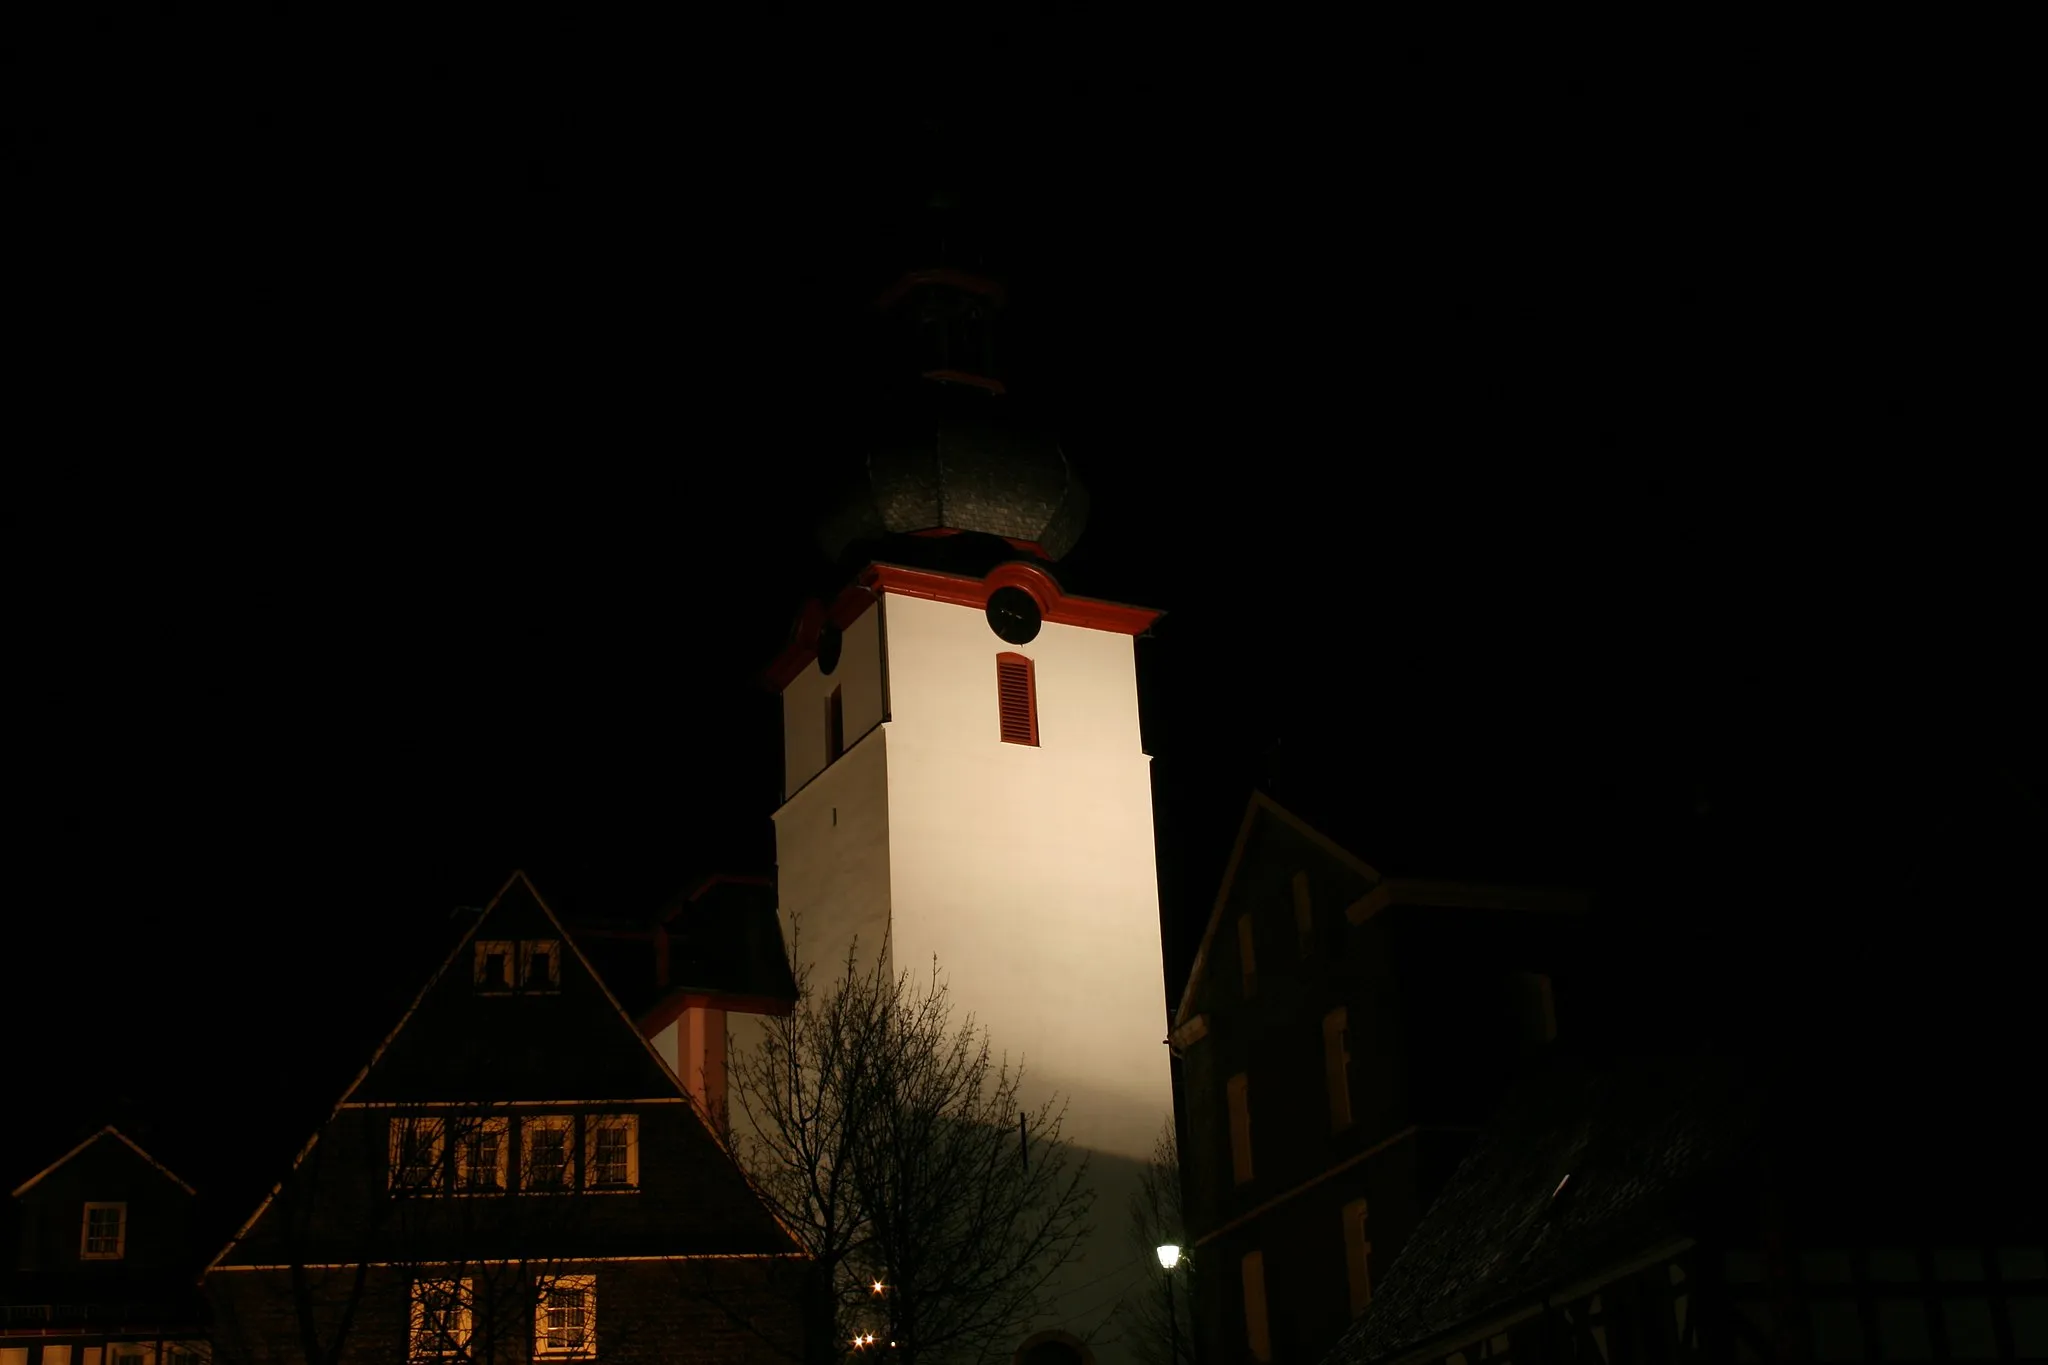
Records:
x=1169, y=1257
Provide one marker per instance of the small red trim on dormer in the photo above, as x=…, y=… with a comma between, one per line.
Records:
x=1016, y=699
x=979, y=381
x=945, y=274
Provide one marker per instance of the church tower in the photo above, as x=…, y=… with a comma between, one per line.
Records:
x=964, y=777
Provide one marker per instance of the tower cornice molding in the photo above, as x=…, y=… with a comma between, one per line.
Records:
x=1055, y=605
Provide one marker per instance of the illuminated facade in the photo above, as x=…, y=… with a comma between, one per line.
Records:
x=965, y=780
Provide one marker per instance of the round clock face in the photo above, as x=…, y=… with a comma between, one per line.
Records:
x=1013, y=616
x=829, y=643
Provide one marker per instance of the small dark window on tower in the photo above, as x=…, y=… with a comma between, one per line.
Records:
x=835, y=727
x=1016, y=699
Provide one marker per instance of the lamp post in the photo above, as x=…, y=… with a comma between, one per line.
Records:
x=1169, y=1257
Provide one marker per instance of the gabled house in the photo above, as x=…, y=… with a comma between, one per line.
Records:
x=514, y=1175
x=104, y=1265
x=1342, y=1036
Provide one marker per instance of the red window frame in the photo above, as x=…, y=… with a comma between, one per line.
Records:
x=1016, y=699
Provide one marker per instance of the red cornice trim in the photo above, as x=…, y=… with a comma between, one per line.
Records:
x=1056, y=606
x=665, y=1012
x=979, y=381
x=846, y=608
x=945, y=274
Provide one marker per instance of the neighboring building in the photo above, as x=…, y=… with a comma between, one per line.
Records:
x=105, y=1269
x=1654, y=1212
x=1342, y=1036
x=515, y=1174
x=711, y=953
x=965, y=779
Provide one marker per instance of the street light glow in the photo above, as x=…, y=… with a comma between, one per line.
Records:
x=1169, y=1257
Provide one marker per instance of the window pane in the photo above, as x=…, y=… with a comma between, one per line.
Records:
x=1837, y=1331
x=1902, y=1330
x=1965, y=1263
x=2022, y=1263
x=1970, y=1335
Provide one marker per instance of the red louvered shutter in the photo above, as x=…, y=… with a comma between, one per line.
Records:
x=1016, y=699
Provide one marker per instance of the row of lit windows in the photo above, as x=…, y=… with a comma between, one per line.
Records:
x=472, y=1155
x=117, y=1353
x=564, y=1318
x=531, y=966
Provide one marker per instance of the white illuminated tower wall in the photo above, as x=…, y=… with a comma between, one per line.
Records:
x=1026, y=870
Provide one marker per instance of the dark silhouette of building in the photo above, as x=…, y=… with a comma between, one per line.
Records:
x=104, y=1264
x=1343, y=1035
x=514, y=1174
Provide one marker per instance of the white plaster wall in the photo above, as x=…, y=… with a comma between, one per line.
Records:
x=1030, y=873
x=666, y=1043
x=862, y=701
x=832, y=858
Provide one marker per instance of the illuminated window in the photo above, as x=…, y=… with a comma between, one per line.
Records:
x=1258, y=1338
x=1240, y=1128
x=540, y=965
x=1247, y=956
x=1337, y=1068
x=1358, y=1256
x=565, y=1323
x=441, y=1319
x=493, y=966
x=175, y=1353
x=104, y=1235
x=835, y=727
x=611, y=1157
x=480, y=1155
x=1017, y=699
x=418, y=1146
x=547, y=1160
x=18, y=1355
x=1304, y=913
x=52, y=1355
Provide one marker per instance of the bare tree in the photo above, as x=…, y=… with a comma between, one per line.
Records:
x=936, y=1207
x=1160, y=1324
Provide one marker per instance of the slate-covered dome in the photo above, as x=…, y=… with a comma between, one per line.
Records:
x=960, y=460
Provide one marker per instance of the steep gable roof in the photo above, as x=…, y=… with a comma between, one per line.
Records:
x=1261, y=806
x=107, y=1132
x=449, y=1061
x=1581, y=1173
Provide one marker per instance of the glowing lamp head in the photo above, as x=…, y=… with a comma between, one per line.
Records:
x=1169, y=1257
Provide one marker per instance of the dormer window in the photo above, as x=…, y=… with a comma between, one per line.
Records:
x=104, y=1236
x=540, y=964
x=493, y=969
x=1017, y=699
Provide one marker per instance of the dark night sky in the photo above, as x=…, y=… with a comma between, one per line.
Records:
x=419, y=436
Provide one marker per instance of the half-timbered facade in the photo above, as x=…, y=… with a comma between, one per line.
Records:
x=1342, y=1036
x=516, y=1175
x=104, y=1264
